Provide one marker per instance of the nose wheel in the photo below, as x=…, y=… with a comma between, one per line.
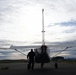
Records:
x=42, y=64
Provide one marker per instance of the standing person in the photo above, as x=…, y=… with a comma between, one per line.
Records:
x=31, y=57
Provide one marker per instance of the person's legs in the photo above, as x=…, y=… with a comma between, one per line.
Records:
x=32, y=65
x=29, y=65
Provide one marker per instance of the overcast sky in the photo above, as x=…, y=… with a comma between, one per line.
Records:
x=21, y=22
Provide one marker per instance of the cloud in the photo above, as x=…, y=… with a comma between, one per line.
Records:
x=65, y=23
x=71, y=24
x=68, y=23
x=6, y=52
x=70, y=31
x=66, y=43
x=17, y=18
x=8, y=43
x=60, y=45
x=68, y=28
x=11, y=54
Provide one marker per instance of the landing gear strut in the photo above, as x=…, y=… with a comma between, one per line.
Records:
x=42, y=64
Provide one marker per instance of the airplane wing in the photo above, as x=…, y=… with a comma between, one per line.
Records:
x=5, y=48
x=34, y=46
x=21, y=47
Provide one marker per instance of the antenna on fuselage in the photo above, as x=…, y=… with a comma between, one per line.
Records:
x=43, y=47
x=43, y=31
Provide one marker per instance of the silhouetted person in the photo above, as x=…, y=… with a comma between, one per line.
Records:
x=31, y=57
x=56, y=65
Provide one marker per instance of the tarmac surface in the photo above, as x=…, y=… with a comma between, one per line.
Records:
x=49, y=69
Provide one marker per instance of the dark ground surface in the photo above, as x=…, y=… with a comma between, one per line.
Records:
x=64, y=68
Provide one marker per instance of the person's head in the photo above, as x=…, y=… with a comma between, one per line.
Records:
x=31, y=50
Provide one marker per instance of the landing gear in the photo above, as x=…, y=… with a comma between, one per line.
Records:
x=42, y=64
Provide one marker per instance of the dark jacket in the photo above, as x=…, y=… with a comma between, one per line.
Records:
x=31, y=55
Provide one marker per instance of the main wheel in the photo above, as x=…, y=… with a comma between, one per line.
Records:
x=42, y=64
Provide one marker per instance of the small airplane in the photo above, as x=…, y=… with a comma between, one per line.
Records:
x=40, y=50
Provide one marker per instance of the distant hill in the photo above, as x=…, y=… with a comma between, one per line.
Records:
x=58, y=58
x=13, y=61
